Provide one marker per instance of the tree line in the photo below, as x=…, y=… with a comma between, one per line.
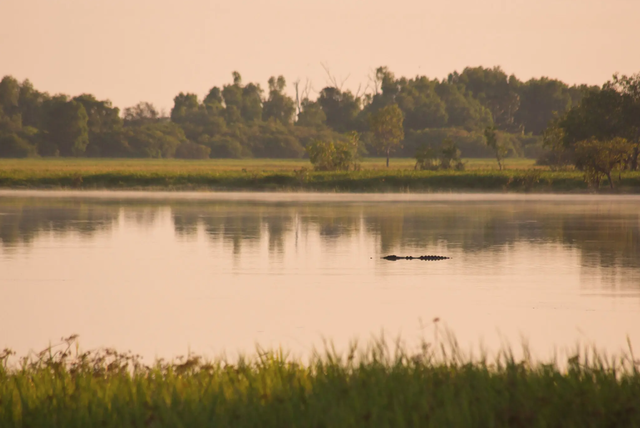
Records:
x=600, y=134
x=244, y=120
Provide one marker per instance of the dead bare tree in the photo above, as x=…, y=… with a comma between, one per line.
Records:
x=374, y=81
x=302, y=93
x=331, y=79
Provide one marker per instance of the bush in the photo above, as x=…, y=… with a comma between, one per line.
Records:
x=446, y=157
x=334, y=155
x=426, y=158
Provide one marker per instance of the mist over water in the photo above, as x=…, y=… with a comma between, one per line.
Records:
x=162, y=273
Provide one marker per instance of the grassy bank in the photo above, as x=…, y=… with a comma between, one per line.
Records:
x=375, y=387
x=255, y=165
x=285, y=175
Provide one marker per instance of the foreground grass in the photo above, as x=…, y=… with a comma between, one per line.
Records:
x=288, y=175
x=372, y=387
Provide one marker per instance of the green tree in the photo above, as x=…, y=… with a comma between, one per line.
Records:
x=340, y=108
x=30, y=103
x=493, y=142
x=495, y=91
x=184, y=106
x=67, y=130
x=13, y=146
x=9, y=96
x=629, y=88
x=155, y=140
x=463, y=111
x=311, y=115
x=214, y=101
x=386, y=125
x=421, y=105
x=251, y=103
x=141, y=113
x=540, y=101
x=558, y=155
x=610, y=112
x=598, y=158
x=232, y=96
x=278, y=106
x=103, y=122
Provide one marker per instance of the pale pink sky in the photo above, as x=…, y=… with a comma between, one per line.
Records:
x=135, y=50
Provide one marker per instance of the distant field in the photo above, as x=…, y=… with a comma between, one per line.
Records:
x=84, y=165
x=481, y=175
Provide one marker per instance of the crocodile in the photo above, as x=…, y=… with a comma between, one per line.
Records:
x=429, y=258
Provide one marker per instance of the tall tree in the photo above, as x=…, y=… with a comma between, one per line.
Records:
x=311, y=115
x=629, y=88
x=9, y=96
x=103, y=123
x=340, y=108
x=232, y=95
x=31, y=104
x=278, y=106
x=491, y=139
x=463, y=111
x=599, y=158
x=386, y=125
x=494, y=90
x=540, y=101
x=421, y=105
x=184, y=105
x=213, y=102
x=251, y=103
x=67, y=130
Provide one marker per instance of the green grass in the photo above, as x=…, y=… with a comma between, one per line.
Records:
x=378, y=387
x=290, y=175
x=96, y=165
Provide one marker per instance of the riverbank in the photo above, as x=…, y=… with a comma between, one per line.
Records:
x=371, y=387
x=285, y=175
x=311, y=181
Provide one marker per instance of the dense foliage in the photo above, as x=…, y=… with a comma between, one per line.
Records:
x=241, y=120
x=605, y=118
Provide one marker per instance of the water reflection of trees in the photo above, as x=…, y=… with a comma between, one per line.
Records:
x=243, y=224
x=22, y=220
x=606, y=235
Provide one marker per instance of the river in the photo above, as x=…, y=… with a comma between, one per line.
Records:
x=164, y=274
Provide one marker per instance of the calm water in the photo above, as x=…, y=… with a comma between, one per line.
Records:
x=166, y=273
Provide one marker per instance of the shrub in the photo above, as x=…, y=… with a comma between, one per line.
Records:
x=426, y=158
x=335, y=155
x=446, y=157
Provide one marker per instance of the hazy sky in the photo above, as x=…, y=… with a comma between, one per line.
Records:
x=134, y=50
